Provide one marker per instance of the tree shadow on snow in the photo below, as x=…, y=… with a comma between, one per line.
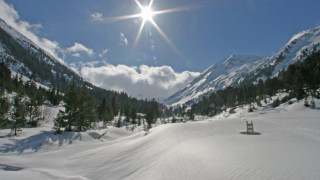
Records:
x=35, y=142
x=9, y=168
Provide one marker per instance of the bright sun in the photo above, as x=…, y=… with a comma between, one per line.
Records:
x=147, y=13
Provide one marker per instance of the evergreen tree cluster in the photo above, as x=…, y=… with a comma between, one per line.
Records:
x=24, y=108
x=80, y=110
x=130, y=109
x=301, y=80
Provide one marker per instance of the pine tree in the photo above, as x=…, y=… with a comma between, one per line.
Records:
x=127, y=109
x=4, y=111
x=114, y=105
x=119, y=123
x=150, y=115
x=87, y=109
x=33, y=112
x=18, y=116
x=105, y=111
x=133, y=115
x=139, y=120
x=71, y=100
x=59, y=122
x=54, y=96
x=5, y=75
x=190, y=113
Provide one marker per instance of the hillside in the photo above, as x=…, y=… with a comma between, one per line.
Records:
x=228, y=72
x=240, y=69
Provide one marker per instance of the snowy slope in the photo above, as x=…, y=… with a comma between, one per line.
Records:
x=300, y=45
x=27, y=43
x=234, y=69
x=228, y=72
x=287, y=148
x=47, y=68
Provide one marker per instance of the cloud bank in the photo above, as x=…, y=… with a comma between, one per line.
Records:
x=142, y=82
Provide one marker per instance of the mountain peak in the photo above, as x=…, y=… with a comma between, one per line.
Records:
x=236, y=68
x=225, y=73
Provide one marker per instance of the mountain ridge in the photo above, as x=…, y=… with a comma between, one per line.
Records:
x=241, y=69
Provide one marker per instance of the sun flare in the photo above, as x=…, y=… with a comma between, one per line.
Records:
x=147, y=13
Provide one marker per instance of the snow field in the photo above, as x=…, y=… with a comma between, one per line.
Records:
x=287, y=148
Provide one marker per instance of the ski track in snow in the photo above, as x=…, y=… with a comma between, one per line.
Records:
x=287, y=148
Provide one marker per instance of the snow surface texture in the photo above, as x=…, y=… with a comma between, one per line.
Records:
x=232, y=70
x=287, y=148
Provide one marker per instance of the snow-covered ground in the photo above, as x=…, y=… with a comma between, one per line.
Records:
x=287, y=148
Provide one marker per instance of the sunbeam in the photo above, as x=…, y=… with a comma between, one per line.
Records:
x=167, y=39
x=139, y=34
x=147, y=14
x=120, y=18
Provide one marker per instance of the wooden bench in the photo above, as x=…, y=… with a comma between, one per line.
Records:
x=250, y=127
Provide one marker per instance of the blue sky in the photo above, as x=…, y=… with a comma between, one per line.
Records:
x=203, y=35
x=203, y=31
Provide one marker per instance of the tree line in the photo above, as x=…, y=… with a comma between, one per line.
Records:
x=83, y=110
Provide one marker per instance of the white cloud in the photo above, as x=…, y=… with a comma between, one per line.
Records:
x=77, y=47
x=11, y=17
x=143, y=81
x=76, y=55
x=74, y=68
x=104, y=52
x=123, y=39
x=97, y=16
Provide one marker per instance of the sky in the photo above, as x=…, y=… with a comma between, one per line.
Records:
x=192, y=35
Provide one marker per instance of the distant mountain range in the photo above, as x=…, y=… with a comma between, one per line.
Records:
x=241, y=69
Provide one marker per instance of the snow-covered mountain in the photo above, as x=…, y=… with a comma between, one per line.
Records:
x=228, y=72
x=32, y=61
x=27, y=43
x=27, y=58
x=238, y=69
